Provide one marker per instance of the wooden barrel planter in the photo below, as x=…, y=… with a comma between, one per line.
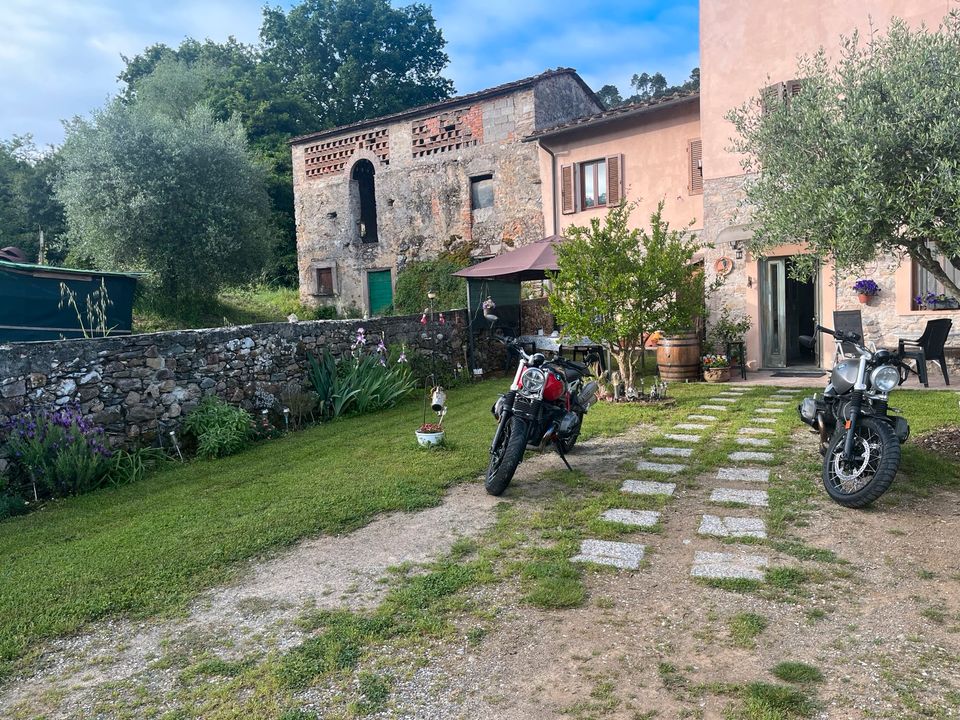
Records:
x=678, y=357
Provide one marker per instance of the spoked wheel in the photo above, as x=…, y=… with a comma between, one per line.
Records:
x=876, y=458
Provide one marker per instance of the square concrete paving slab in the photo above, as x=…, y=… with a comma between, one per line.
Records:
x=768, y=410
x=734, y=527
x=778, y=402
x=626, y=556
x=788, y=391
x=690, y=426
x=756, y=431
x=727, y=400
x=713, y=407
x=706, y=418
x=671, y=452
x=637, y=518
x=647, y=487
x=744, y=455
x=763, y=421
x=744, y=474
x=755, y=442
x=660, y=467
x=730, y=393
x=728, y=565
x=755, y=498
x=680, y=437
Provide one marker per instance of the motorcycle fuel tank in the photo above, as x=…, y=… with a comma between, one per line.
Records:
x=844, y=375
x=553, y=387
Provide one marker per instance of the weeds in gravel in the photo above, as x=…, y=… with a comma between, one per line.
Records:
x=797, y=672
x=745, y=627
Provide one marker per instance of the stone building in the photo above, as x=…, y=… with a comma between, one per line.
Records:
x=451, y=176
x=745, y=47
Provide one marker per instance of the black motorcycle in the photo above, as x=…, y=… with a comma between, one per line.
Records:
x=546, y=404
x=859, y=440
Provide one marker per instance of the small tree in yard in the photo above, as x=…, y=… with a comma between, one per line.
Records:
x=865, y=160
x=617, y=285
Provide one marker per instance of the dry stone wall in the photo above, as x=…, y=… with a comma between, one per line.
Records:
x=139, y=385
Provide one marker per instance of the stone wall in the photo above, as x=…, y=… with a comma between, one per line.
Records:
x=138, y=385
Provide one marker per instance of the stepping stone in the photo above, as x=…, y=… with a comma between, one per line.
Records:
x=713, y=407
x=756, y=431
x=660, y=467
x=728, y=565
x=626, y=556
x=637, y=518
x=671, y=451
x=732, y=527
x=724, y=400
x=755, y=442
x=707, y=418
x=756, y=498
x=679, y=437
x=744, y=474
x=731, y=393
x=767, y=410
x=742, y=455
x=777, y=402
x=787, y=391
x=764, y=421
x=690, y=426
x=647, y=487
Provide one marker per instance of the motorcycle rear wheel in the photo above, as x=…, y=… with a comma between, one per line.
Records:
x=879, y=451
x=505, y=459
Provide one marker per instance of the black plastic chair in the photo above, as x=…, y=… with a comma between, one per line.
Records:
x=848, y=321
x=929, y=346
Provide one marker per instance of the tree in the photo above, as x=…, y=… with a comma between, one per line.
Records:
x=648, y=87
x=356, y=59
x=610, y=96
x=180, y=197
x=27, y=202
x=865, y=161
x=420, y=277
x=617, y=285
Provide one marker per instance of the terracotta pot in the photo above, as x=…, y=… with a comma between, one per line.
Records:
x=678, y=357
x=864, y=298
x=717, y=375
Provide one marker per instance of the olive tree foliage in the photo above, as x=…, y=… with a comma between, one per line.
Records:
x=865, y=161
x=174, y=193
x=618, y=285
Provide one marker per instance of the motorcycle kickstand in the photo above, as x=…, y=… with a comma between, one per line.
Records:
x=562, y=456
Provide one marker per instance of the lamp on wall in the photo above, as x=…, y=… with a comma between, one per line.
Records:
x=737, y=245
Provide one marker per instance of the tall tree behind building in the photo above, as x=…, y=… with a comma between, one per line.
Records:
x=648, y=87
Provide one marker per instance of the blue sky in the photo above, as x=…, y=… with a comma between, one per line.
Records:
x=60, y=58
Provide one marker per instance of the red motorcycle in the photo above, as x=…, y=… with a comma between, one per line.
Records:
x=546, y=404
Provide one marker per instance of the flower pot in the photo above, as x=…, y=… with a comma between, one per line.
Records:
x=429, y=438
x=717, y=375
x=864, y=298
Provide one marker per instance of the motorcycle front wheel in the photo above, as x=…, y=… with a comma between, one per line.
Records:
x=876, y=452
x=505, y=458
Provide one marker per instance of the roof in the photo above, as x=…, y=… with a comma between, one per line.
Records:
x=504, y=89
x=529, y=262
x=39, y=269
x=617, y=113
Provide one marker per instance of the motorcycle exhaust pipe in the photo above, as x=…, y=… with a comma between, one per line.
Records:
x=547, y=437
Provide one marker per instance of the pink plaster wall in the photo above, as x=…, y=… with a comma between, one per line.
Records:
x=654, y=149
x=747, y=44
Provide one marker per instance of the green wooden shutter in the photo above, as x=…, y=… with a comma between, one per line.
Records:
x=379, y=290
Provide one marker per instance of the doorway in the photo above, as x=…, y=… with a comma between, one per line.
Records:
x=379, y=291
x=788, y=309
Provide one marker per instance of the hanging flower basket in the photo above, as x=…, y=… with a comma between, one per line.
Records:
x=865, y=289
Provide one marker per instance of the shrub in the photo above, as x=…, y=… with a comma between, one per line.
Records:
x=301, y=403
x=57, y=453
x=418, y=278
x=220, y=429
x=727, y=328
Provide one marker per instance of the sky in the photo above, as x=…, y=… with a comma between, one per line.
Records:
x=60, y=58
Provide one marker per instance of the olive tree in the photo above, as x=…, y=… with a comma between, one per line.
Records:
x=617, y=285
x=864, y=161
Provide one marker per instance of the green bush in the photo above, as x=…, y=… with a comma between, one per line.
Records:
x=418, y=278
x=219, y=429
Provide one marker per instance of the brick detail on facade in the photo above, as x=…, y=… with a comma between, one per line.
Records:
x=331, y=156
x=447, y=131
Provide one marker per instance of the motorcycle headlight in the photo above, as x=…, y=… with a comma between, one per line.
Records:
x=532, y=380
x=885, y=378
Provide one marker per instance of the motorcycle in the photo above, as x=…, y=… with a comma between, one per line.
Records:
x=545, y=404
x=859, y=439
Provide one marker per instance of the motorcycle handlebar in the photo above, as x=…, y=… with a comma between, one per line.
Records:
x=839, y=334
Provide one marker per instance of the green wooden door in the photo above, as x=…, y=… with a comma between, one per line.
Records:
x=379, y=291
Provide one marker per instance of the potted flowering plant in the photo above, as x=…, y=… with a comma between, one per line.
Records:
x=933, y=301
x=716, y=368
x=430, y=434
x=865, y=289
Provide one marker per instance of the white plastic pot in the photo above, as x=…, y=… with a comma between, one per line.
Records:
x=429, y=438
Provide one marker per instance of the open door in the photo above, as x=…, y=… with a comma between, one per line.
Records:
x=773, y=312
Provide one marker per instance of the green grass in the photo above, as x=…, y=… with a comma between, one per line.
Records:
x=797, y=673
x=745, y=627
x=763, y=701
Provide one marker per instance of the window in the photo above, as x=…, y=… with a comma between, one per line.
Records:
x=925, y=284
x=364, y=199
x=593, y=184
x=324, y=281
x=481, y=192
x=779, y=94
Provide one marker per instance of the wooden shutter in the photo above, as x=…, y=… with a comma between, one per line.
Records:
x=771, y=97
x=568, y=196
x=695, y=156
x=614, y=179
x=791, y=89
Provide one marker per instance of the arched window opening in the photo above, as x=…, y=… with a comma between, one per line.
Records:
x=364, y=200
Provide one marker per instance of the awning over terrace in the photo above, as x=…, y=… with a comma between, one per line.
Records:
x=530, y=262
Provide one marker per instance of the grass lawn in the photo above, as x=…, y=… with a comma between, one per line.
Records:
x=149, y=548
